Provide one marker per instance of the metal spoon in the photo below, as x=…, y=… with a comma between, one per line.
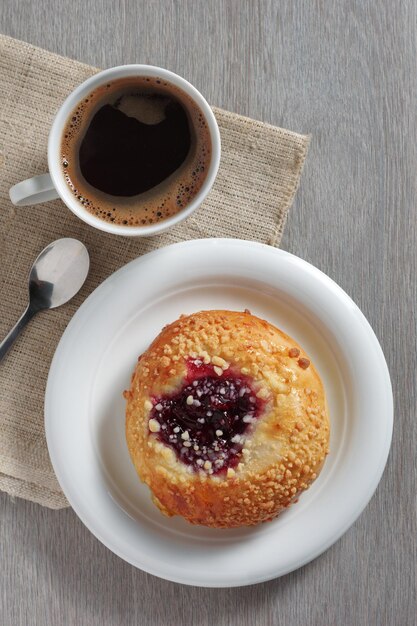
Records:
x=56, y=276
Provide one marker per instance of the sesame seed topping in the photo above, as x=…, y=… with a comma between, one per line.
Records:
x=217, y=360
x=158, y=407
x=207, y=465
x=219, y=433
x=190, y=400
x=218, y=370
x=154, y=426
x=148, y=405
x=185, y=435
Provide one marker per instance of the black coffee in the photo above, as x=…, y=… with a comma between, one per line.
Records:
x=136, y=151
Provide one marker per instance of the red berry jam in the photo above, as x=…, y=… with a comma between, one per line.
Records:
x=206, y=421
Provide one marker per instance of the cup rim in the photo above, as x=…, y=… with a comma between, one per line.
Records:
x=78, y=94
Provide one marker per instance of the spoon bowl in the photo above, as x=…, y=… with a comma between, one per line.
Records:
x=57, y=274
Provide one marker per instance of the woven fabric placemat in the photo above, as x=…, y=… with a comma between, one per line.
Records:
x=258, y=177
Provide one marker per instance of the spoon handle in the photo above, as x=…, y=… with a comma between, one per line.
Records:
x=21, y=323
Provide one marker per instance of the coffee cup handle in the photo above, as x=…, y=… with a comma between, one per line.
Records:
x=33, y=190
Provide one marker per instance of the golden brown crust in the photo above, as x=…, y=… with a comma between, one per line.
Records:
x=286, y=448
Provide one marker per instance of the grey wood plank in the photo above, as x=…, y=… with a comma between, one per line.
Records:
x=346, y=72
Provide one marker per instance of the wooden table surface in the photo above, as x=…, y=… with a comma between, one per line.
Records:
x=347, y=73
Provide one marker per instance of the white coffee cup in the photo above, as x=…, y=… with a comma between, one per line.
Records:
x=53, y=185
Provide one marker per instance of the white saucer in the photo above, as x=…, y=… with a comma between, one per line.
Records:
x=84, y=408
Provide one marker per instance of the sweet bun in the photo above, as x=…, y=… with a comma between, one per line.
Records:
x=226, y=419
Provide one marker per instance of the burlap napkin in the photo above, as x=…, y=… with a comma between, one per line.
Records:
x=259, y=174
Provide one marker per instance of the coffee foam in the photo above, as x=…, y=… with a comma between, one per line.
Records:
x=164, y=200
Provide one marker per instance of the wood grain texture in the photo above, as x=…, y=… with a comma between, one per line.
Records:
x=346, y=72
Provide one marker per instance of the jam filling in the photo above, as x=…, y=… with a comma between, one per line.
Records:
x=205, y=422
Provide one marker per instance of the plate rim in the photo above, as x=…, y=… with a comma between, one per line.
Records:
x=305, y=265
